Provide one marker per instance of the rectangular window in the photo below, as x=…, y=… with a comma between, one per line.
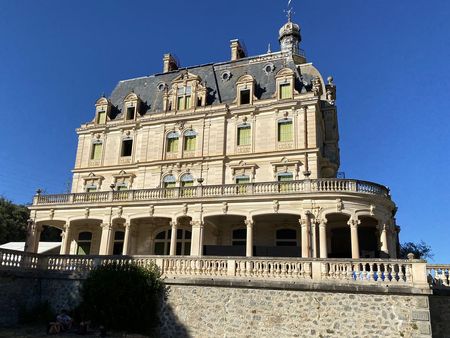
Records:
x=244, y=96
x=130, y=113
x=285, y=91
x=172, y=145
x=189, y=143
x=84, y=248
x=243, y=180
x=122, y=187
x=91, y=188
x=187, y=102
x=284, y=179
x=101, y=117
x=285, y=131
x=96, y=153
x=127, y=148
x=180, y=103
x=244, y=136
x=170, y=184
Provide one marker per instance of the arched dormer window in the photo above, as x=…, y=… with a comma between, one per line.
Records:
x=245, y=90
x=131, y=106
x=102, y=110
x=285, y=84
x=285, y=130
x=187, y=92
x=190, y=140
x=172, y=142
x=244, y=134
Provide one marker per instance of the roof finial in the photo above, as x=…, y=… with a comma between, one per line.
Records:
x=268, y=49
x=289, y=11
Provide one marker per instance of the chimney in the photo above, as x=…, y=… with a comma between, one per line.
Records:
x=237, y=50
x=170, y=63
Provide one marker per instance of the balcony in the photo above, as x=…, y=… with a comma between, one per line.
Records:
x=203, y=192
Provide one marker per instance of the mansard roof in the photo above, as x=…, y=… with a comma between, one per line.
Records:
x=220, y=89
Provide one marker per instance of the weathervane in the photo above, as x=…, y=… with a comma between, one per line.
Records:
x=289, y=11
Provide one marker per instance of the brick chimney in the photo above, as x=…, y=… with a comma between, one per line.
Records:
x=237, y=50
x=170, y=63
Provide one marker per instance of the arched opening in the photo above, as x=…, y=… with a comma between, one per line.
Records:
x=368, y=237
x=79, y=242
x=224, y=235
x=84, y=243
x=338, y=236
x=183, y=242
x=49, y=241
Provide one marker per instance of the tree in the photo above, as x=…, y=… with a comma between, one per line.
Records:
x=420, y=250
x=13, y=221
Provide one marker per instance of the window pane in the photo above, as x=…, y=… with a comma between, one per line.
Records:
x=85, y=236
x=161, y=235
x=187, y=234
x=285, y=91
x=244, y=137
x=91, y=189
x=101, y=117
x=169, y=184
x=244, y=96
x=122, y=187
x=285, y=177
x=127, y=147
x=188, y=102
x=119, y=235
x=180, y=102
x=243, y=180
x=285, y=131
x=96, y=151
x=187, y=249
x=189, y=144
x=159, y=248
x=172, y=145
x=187, y=183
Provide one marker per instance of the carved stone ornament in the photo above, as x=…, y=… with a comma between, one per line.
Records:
x=353, y=222
x=372, y=209
x=51, y=213
x=86, y=213
x=317, y=86
x=119, y=211
x=339, y=205
x=276, y=206
x=185, y=209
x=151, y=210
x=225, y=207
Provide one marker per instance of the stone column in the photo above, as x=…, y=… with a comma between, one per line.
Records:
x=323, y=238
x=197, y=238
x=384, y=245
x=65, y=243
x=173, y=238
x=126, y=240
x=37, y=237
x=249, y=239
x=353, y=223
x=31, y=235
x=304, y=222
x=105, y=242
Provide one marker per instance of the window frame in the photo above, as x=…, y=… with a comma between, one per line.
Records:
x=285, y=121
x=240, y=128
x=174, y=137
x=122, y=148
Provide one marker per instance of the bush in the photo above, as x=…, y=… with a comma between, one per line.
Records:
x=122, y=297
x=40, y=313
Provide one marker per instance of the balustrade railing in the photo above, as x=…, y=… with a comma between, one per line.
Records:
x=390, y=272
x=207, y=191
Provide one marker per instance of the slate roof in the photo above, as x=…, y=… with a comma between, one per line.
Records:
x=219, y=91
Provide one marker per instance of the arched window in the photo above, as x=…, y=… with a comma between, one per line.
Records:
x=84, y=243
x=286, y=237
x=285, y=132
x=162, y=242
x=239, y=237
x=118, y=242
x=187, y=180
x=244, y=137
x=169, y=181
x=190, y=140
x=172, y=142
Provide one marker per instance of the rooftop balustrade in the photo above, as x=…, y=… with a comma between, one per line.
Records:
x=391, y=273
x=215, y=191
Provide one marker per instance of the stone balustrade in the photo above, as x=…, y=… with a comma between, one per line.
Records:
x=389, y=272
x=210, y=191
x=439, y=275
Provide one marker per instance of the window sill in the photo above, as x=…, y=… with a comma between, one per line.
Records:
x=285, y=145
x=125, y=160
x=94, y=163
x=243, y=149
x=170, y=156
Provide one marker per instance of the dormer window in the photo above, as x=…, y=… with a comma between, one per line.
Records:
x=101, y=117
x=245, y=90
x=172, y=142
x=102, y=108
x=285, y=84
x=130, y=113
x=285, y=91
x=184, y=98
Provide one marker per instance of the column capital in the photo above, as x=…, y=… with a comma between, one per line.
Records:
x=249, y=222
x=127, y=225
x=303, y=222
x=353, y=222
x=173, y=224
x=322, y=222
x=197, y=223
x=107, y=226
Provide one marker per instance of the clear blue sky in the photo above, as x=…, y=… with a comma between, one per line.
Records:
x=390, y=60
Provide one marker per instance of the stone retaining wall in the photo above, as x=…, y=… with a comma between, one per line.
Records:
x=440, y=316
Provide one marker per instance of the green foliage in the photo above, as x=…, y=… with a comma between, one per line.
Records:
x=13, y=221
x=420, y=250
x=122, y=297
x=41, y=313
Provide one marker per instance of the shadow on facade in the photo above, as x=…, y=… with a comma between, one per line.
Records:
x=170, y=324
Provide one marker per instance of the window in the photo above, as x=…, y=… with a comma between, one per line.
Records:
x=118, y=242
x=91, y=188
x=84, y=243
x=244, y=96
x=127, y=147
x=244, y=135
x=286, y=237
x=190, y=139
x=239, y=237
x=96, y=152
x=187, y=180
x=183, y=245
x=130, y=113
x=284, y=178
x=242, y=180
x=101, y=117
x=172, y=142
x=122, y=186
x=285, y=130
x=169, y=181
x=285, y=91
x=184, y=98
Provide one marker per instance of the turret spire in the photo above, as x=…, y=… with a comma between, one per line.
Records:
x=289, y=36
